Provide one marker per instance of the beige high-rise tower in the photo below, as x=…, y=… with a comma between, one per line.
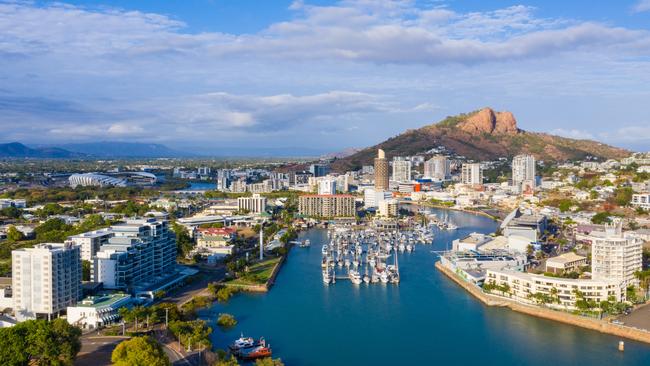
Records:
x=381, y=171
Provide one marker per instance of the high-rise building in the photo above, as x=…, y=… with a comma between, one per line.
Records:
x=614, y=256
x=319, y=170
x=46, y=279
x=255, y=204
x=438, y=167
x=336, y=205
x=471, y=173
x=90, y=242
x=401, y=170
x=140, y=251
x=523, y=170
x=381, y=171
x=327, y=186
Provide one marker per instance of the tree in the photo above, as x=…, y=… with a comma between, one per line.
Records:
x=269, y=362
x=184, y=242
x=14, y=234
x=51, y=343
x=601, y=218
x=85, y=270
x=226, y=320
x=13, y=342
x=139, y=351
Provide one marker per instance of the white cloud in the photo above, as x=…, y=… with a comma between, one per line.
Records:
x=372, y=31
x=641, y=6
x=573, y=133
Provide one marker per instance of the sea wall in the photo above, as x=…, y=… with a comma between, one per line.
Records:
x=559, y=316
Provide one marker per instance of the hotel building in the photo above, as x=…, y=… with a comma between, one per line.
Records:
x=46, y=279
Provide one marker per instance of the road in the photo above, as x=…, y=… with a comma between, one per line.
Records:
x=639, y=318
x=184, y=294
x=96, y=350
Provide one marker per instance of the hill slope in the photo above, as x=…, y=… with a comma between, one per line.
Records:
x=18, y=150
x=482, y=135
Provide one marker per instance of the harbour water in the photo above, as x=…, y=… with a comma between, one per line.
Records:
x=424, y=320
x=201, y=186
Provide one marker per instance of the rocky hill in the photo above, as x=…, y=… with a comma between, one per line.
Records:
x=482, y=135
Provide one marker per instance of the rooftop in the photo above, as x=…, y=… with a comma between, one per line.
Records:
x=565, y=258
x=102, y=300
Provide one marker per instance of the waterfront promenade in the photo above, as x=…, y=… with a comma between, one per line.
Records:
x=555, y=315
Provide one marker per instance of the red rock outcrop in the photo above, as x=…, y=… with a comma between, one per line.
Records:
x=488, y=121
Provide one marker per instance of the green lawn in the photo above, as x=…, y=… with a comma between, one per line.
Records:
x=257, y=274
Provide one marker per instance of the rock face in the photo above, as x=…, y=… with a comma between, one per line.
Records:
x=488, y=121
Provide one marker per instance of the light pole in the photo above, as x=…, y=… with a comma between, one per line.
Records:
x=166, y=318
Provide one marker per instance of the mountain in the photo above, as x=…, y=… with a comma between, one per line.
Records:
x=116, y=149
x=482, y=135
x=18, y=150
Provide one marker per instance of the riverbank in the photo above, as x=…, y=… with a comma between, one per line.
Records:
x=562, y=317
x=459, y=209
x=261, y=287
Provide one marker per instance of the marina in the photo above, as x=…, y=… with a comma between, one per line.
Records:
x=309, y=323
x=368, y=255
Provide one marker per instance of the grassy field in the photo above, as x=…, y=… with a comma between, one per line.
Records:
x=257, y=274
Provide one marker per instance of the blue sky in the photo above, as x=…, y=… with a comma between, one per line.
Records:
x=206, y=75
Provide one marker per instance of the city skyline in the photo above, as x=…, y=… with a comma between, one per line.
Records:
x=320, y=74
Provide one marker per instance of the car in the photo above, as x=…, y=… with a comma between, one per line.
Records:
x=618, y=322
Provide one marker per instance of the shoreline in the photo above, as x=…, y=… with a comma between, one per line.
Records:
x=561, y=317
x=442, y=207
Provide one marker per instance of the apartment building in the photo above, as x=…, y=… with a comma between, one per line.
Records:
x=333, y=205
x=614, y=256
x=46, y=279
x=90, y=242
x=438, y=167
x=254, y=204
x=401, y=170
x=523, y=170
x=140, y=251
x=471, y=174
x=563, y=292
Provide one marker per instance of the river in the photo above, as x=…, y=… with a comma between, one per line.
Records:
x=424, y=320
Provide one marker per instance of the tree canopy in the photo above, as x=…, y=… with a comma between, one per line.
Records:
x=139, y=351
x=40, y=342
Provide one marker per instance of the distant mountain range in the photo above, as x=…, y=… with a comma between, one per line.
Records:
x=482, y=135
x=102, y=149
x=18, y=150
x=116, y=149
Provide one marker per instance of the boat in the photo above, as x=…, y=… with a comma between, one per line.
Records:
x=259, y=351
x=305, y=243
x=355, y=277
x=242, y=343
x=325, y=249
x=383, y=277
x=326, y=277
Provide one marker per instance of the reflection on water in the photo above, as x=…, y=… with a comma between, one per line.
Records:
x=425, y=319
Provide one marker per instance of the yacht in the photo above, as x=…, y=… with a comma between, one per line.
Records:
x=355, y=277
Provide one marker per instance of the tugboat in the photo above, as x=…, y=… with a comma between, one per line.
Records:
x=259, y=351
x=242, y=343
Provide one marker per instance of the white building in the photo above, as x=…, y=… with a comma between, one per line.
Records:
x=524, y=286
x=523, y=170
x=46, y=279
x=615, y=257
x=401, y=170
x=372, y=198
x=90, y=242
x=389, y=208
x=141, y=251
x=471, y=173
x=641, y=200
x=327, y=186
x=255, y=204
x=97, y=311
x=438, y=167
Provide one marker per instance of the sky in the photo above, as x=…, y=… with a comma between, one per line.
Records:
x=212, y=75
